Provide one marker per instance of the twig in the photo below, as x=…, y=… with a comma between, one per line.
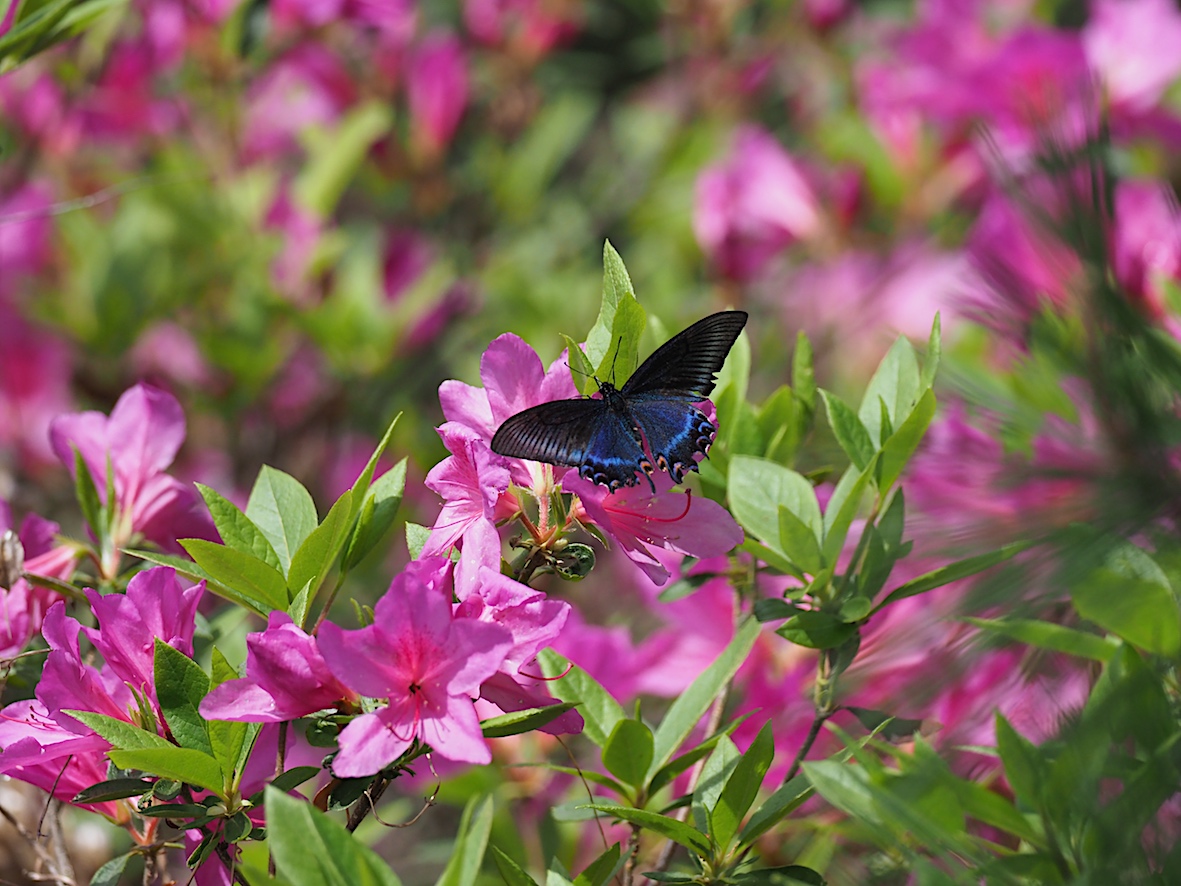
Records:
x=360, y=811
x=38, y=847
x=817, y=723
x=589, y=793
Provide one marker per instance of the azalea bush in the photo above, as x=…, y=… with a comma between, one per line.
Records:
x=273, y=274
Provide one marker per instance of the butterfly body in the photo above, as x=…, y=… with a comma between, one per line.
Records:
x=651, y=422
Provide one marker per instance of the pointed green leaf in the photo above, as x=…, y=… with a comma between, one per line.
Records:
x=799, y=542
x=691, y=705
x=674, y=830
x=600, y=711
x=1047, y=635
x=1142, y=611
x=937, y=578
x=313, y=561
x=934, y=353
x=112, y=872
x=617, y=285
x=283, y=511
x=244, y=576
x=378, y=511
x=180, y=686
x=741, y=788
x=901, y=445
x=513, y=873
x=181, y=764
x=310, y=849
x=622, y=356
x=87, y=494
x=120, y=734
x=816, y=630
x=113, y=789
x=470, y=843
x=1024, y=768
x=628, y=751
x=581, y=369
x=518, y=722
x=602, y=869
x=842, y=510
x=334, y=157
x=238, y=531
x=896, y=384
x=758, y=488
x=786, y=799
x=849, y=430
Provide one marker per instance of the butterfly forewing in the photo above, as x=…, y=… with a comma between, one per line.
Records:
x=559, y=432
x=683, y=368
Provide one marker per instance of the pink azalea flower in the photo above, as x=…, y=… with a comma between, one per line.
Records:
x=306, y=88
x=528, y=28
x=1132, y=44
x=436, y=92
x=168, y=351
x=676, y=521
x=407, y=257
x=123, y=105
x=533, y=622
x=26, y=229
x=22, y=604
x=154, y=607
x=513, y=379
x=300, y=230
x=1146, y=244
x=141, y=438
x=751, y=206
x=472, y=481
x=286, y=678
x=429, y=666
x=35, y=373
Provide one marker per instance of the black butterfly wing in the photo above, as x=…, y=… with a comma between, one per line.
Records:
x=584, y=434
x=683, y=368
x=675, y=431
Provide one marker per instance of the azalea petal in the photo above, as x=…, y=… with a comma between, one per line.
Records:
x=477, y=652
x=454, y=733
x=369, y=744
x=362, y=660
x=145, y=432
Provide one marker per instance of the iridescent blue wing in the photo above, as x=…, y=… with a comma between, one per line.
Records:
x=675, y=431
x=683, y=368
x=584, y=434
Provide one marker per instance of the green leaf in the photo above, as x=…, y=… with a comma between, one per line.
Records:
x=674, y=830
x=192, y=571
x=470, y=843
x=1142, y=611
x=711, y=781
x=787, y=799
x=741, y=788
x=378, y=511
x=622, y=357
x=180, y=686
x=901, y=445
x=581, y=369
x=691, y=705
x=248, y=579
x=283, y=511
x=1047, y=635
x=1024, y=768
x=513, y=873
x=773, y=558
x=842, y=509
x=238, y=531
x=678, y=764
x=416, y=538
x=617, y=285
x=87, y=494
x=518, y=722
x=934, y=353
x=788, y=875
x=310, y=849
x=987, y=806
x=120, y=734
x=758, y=488
x=799, y=542
x=945, y=575
x=334, y=157
x=602, y=869
x=181, y=764
x=803, y=376
x=600, y=711
x=816, y=630
x=628, y=751
x=112, y=872
x=314, y=559
x=113, y=789
x=851, y=434
x=895, y=384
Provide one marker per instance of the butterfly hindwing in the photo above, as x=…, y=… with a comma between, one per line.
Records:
x=581, y=433
x=676, y=431
x=683, y=368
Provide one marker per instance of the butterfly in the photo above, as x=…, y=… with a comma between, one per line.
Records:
x=652, y=417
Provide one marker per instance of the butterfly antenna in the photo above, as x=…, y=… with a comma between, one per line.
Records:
x=618, y=345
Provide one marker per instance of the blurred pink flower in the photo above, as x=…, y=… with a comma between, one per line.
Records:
x=407, y=256
x=1146, y=245
x=167, y=351
x=26, y=229
x=33, y=102
x=308, y=87
x=123, y=105
x=23, y=605
x=436, y=93
x=35, y=373
x=752, y=205
x=527, y=28
x=286, y=678
x=426, y=662
x=140, y=439
x=301, y=385
x=299, y=231
x=1132, y=45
